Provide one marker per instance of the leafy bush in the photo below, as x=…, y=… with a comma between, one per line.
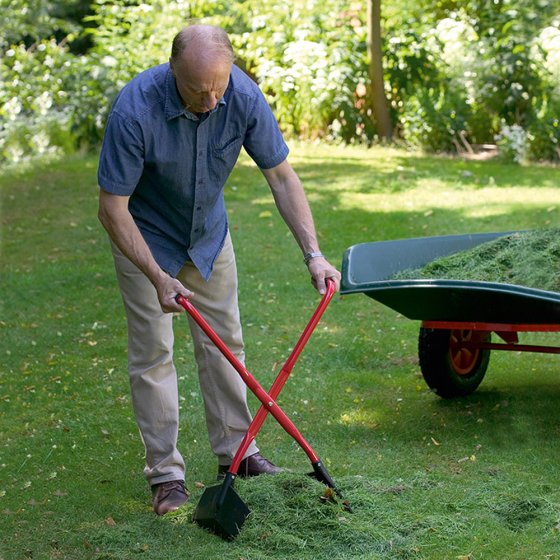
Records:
x=544, y=128
x=543, y=133
x=477, y=69
x=34, y=100
x=55, y=102
x=432, y=119
x=128, y=38
x=32, y=21
x=410, y=68
x=484, y=78
x=431, y=73
x=310, y=59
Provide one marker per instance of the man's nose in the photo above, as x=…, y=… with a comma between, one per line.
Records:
x=210, y=100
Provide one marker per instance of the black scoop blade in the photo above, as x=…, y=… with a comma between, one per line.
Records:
x=221, y=511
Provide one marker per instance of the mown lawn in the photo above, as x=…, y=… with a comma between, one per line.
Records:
x=472, y=478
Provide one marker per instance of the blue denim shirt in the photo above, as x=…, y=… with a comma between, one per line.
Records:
x=174, y=165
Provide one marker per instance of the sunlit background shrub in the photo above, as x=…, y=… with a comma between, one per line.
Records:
x=482, y=71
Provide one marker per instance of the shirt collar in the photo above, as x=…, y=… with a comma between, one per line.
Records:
x=173, y=105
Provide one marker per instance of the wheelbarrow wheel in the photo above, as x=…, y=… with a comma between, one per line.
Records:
x=449, y=367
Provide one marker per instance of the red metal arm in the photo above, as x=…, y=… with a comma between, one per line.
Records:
x=267, y=399
x=281, y=379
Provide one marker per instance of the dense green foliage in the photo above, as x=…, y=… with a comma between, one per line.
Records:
x=310, y=58
x=485, y=71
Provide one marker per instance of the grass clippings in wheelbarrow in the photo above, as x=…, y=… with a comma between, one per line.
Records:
x=530, y=259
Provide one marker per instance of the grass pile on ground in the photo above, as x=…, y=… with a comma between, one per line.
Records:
x=530, y=259
x=294, y=516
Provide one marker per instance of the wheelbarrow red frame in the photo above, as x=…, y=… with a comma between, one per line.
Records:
x=507, y=332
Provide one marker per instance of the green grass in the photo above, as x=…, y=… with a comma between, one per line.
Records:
x=474, y=478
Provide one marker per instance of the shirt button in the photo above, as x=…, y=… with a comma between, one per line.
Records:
x=197, y=230
x=201, y=153
x=199, y=208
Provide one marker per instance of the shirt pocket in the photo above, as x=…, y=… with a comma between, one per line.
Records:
x=225, y=153
x=225, y=147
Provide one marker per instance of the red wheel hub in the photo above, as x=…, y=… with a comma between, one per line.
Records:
x=463, y=358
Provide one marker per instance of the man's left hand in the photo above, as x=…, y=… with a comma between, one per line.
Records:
x=320, y=269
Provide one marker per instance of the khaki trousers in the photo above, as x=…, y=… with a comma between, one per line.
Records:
x=153, y=378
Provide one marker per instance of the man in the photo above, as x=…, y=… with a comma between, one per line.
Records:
x=172, y=138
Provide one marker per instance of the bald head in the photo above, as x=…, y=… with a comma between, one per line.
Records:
x=201, y=59
x=201, y=40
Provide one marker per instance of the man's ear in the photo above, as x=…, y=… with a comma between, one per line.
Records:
x=171, y=66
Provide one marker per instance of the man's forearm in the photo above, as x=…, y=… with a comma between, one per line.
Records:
x=124, y=233
x=293, y=207
x=292, y=204
x=119, y=224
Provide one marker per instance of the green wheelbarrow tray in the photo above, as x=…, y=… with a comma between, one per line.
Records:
x=369, y=267
x=458, y=316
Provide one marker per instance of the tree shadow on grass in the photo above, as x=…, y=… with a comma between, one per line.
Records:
x=509, y=415
x=403, y=172
x=399, y=173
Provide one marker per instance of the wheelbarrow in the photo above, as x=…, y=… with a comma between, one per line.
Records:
x=457, y=317
x=220, y=508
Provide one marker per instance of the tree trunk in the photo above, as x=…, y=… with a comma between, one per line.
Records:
x=377, y=97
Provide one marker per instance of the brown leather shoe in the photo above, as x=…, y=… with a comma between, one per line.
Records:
x=169, y=496
x=254, y=465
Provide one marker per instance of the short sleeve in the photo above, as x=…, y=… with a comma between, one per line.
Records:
x=121, y=160
x=264, y=141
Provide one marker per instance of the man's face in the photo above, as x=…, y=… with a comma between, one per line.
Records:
x=201, y=83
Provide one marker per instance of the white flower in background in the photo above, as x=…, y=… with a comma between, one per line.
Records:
x=288, y=83
x=458, y=45
x=43, y=103
x=41, y=141
x=546, y=52
x=110, y=61
x=306, y=61
x=512, y=142
x=15, y=153
x=306, y=52
x=336, y=127
x=258, y=22
x=12, y=108
x=301, y=34
x=457, y=38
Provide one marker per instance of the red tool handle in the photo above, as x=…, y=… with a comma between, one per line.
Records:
x=267, y=399
x=281, y=379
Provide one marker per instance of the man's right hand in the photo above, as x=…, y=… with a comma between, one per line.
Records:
x=167, y=290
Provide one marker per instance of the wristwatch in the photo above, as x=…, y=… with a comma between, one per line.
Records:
x=308, y=256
